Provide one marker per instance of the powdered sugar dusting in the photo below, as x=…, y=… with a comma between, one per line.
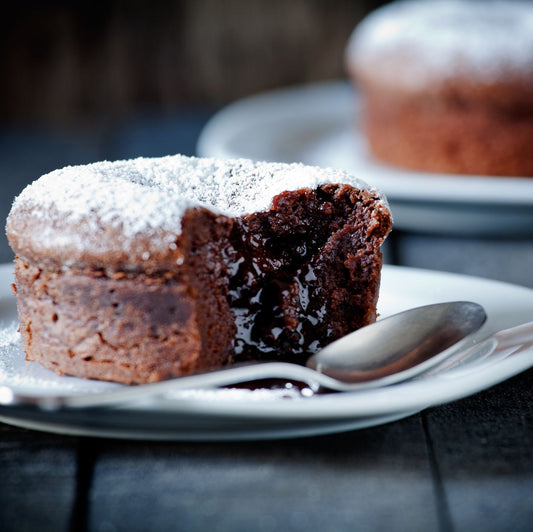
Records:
x=9, y=334
x=150, y=195
x=443, y=38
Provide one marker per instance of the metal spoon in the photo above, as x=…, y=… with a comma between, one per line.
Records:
x=391, y=350
x=401, y=346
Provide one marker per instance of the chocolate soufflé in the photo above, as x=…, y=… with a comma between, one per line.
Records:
x=148, y=269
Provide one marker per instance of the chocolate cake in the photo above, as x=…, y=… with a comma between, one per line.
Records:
x=142, y=270
x=447, y=86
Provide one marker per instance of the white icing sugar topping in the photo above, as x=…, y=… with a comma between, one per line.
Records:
x=486, y=39
x=150, y=195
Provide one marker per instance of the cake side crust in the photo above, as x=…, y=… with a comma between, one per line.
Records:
x=449, y=135
x=124, y=330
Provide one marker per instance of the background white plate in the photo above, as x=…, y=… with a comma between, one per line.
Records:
x=227, y=414
x=318, y=124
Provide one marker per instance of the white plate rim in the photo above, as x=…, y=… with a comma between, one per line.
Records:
x=245, y=432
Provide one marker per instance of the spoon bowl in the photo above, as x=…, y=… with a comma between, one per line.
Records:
x=400, y=346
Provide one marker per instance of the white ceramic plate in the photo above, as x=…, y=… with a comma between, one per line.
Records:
x=230, y=414
x=318, y=124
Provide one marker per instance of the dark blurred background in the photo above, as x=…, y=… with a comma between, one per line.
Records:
x=70, y=63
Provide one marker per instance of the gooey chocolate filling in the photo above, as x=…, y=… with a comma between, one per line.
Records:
x=300, y=274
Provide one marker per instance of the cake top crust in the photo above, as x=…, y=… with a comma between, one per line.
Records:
x=130, y=211
x=414, y=42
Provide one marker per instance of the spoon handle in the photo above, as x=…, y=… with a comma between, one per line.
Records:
x=213, y=379
x=519, y=337
x=498, y=346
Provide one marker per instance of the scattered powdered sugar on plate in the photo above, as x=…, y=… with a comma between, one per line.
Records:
x=29, y=377
x=9, y=335
x=442, y=38
x=241, y=394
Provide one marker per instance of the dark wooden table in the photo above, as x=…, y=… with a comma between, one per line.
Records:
x=467, y=465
